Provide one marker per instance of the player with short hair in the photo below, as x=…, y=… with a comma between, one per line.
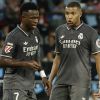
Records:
x=20, y=56
x=75, y=42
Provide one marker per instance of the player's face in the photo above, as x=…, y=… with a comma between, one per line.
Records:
x=30, y=19
x=72, y=15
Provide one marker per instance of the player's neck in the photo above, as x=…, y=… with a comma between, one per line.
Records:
x=78, y=23
x=24, y=28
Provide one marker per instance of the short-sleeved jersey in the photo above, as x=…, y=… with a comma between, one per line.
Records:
x=22, y=46
x=75, y=47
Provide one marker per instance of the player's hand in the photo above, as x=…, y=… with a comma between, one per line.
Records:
x=33, y=64
x=46, y=84
x=49, y=89
x=96, y=95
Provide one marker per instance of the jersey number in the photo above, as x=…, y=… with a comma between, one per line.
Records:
x=17, y=95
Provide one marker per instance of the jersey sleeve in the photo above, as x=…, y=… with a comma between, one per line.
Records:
x=38, y=53
x=8, y=47
x=57, y=45
x=95, y=43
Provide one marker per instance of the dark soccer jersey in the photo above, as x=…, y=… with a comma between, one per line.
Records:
x=75, y=47
x=23, y=47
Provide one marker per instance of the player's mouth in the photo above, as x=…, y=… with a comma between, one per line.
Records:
x=34, y=25
x=70, y=23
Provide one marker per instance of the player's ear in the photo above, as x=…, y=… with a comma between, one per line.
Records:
x=80, y=12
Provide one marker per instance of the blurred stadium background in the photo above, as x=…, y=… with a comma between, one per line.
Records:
x=51, y=16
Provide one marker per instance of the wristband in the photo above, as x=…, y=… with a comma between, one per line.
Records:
x=42, y=73
x=99, y=86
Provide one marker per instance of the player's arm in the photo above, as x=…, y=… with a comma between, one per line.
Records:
x=9, y=62
x=41, y=70
x=56, y=60
x=54, y=69
x=97, y=59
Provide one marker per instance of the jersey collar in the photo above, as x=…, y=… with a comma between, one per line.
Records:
x=76, y=27
x=24, y=31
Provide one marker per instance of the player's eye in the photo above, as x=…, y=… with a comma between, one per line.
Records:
x=73, y=13
x=34, y=17
x=66, y=13
x=31, y=17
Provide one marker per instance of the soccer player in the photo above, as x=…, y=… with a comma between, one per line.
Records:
x=75, y=42
x=20, y=56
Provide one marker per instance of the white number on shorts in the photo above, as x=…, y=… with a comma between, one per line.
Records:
x=17, y=94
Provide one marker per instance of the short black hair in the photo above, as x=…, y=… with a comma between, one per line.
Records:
x=74, y=4
x=28, y=6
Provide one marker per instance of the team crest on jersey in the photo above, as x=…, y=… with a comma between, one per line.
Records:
x=80, y=36
x=98, y=42
x=8, y=47
x=36, y=39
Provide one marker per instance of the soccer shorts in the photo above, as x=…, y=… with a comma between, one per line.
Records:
x=68, y=92
x=15, y=94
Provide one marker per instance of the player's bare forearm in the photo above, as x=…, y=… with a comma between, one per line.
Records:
x=5, y=62
x=8, y=62
x=97, y=59
x=54, y=69
x=53, y=73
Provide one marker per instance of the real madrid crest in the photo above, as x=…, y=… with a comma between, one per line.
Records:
x=80, y=36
